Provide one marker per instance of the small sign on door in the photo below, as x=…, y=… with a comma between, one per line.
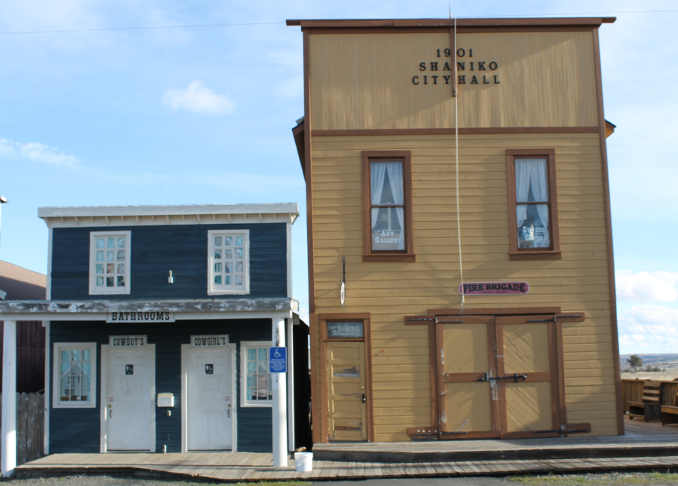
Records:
x=277, y=359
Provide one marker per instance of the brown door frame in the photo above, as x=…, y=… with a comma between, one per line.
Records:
x=323, y=319
x=490, y=316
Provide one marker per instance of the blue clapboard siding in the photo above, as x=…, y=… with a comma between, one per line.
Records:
x=157, y=249
x=77, y=430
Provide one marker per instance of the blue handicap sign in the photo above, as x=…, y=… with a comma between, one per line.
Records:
x=277, y=360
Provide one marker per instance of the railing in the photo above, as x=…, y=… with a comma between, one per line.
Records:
x=632, y=391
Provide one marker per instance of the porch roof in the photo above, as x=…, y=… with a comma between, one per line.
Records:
x=185, y=309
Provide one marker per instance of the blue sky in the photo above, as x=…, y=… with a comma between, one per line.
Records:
x=197, y=106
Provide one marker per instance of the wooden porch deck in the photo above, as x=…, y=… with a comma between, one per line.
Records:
x=645, y=446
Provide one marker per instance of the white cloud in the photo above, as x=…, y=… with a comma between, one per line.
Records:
x=198, y=98
x=649, y=329
x=648, y=286
x=37, y=152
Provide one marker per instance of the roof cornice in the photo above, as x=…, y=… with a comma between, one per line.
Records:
x=157, y=215
x=447, y=23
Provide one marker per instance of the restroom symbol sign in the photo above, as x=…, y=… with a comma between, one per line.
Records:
x=277, y=359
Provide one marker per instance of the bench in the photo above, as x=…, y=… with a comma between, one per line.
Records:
x=669, y=413
x=649, y=406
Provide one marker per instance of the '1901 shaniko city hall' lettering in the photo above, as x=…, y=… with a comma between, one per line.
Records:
x=439, y=72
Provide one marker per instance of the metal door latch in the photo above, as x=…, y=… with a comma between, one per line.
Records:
x=363, y=398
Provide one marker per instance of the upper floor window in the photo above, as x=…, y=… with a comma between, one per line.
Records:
x=228, y=262
x=533, y=212
x=109, y=262
x=387, y=206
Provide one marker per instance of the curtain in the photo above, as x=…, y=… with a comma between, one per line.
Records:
x=395, y=177
x=531, y=186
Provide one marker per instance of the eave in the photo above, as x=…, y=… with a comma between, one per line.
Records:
x=447, y=23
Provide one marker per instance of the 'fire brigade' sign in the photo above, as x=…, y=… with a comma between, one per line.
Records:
x=277, y=360
x=491, y=288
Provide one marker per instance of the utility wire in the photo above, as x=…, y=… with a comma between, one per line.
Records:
x=207, y=26
x=138, y=28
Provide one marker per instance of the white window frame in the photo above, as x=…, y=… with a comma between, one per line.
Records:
x=244, y=346
x=56, y=375
x=93, y=288
x=214, y=289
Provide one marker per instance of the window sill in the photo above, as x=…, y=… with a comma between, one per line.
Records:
x=257, y=404
x=228, y=292
x=532, y=254
x=390, y=257
x=124, y=291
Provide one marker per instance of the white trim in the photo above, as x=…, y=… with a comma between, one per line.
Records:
x=93, y=288
x=288, y=232
x=169, y=210
x=244, y=403
x=48, y=386
x=106, y=350
x=279, y=410
x=56, y=366
x=91, y=222
x=290, y=385
x=212, y=288
x=101, y=316
x=188, y=348
x=185, y=349
x=9, y=406
x=48, y=286
x=103, y=417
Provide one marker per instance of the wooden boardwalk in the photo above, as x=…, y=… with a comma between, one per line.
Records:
x=637, y=450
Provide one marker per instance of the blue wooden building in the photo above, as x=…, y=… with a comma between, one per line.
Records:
x=159, y=321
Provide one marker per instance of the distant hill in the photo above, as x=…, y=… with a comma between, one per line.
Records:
x=660, y=360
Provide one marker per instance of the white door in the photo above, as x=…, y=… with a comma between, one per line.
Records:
x=130, y=398
x=209, y=376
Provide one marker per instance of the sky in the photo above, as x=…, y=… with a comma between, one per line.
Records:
x=192, y=102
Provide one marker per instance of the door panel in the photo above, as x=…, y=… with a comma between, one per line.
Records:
x=465, y=348
x=210, y=399
x=347, y=415
x=466, y=359
x=130, y=399
x=526, y=348
x=526, y=352
x=467, y=408
x=528, y=407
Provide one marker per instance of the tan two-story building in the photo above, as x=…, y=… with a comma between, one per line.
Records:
x=460, y=255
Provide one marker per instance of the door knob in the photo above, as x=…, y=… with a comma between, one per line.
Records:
x=363, y=398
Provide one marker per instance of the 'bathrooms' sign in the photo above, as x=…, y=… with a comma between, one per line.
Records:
x=140, y=317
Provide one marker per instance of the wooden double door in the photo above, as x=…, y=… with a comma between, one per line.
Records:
x=497, y=377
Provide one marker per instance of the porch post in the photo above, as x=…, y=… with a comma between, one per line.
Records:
x=279, y=386
x=9, y=399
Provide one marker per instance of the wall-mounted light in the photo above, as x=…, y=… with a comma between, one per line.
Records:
x=170, y=278
x=342, y=287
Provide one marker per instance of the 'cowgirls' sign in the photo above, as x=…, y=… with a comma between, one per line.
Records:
x=492, y=288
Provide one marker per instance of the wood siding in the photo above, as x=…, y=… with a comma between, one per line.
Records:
x=30, y=356
x=577, y=281
x=365, y=80
x=157, y=249
x=77, y=430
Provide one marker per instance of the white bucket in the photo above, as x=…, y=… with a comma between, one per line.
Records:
x=303, y=461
